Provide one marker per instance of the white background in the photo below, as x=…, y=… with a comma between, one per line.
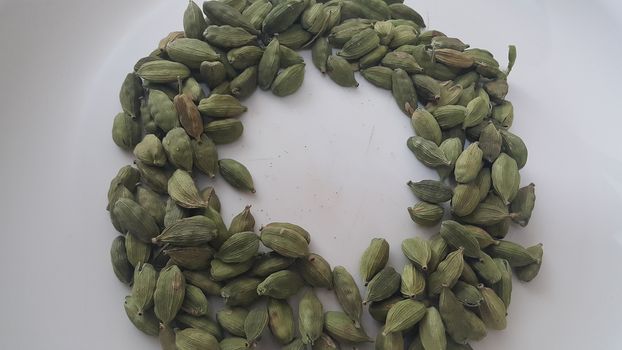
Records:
x=331, y=159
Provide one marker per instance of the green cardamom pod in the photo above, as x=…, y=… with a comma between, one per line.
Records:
x=234, y=344
x=528, y=272
x=379, y=309
x=163, y=110
x=484, y=183
x=289, y=57
x=195, y=258
x=163, y=71
x=243, y=85
x=166, y=337
x=178, y=149
x=281, y=320
x=213, y=73
x=221, y=271
x=289, y=80
x=402, y=60
x=150, y=151
x=244, y=57
x=315, y=271
x=195, y=339
x=427, y=87
x=469, y=163
x=282, y=15
x=152, y=203
x=313, y=18
x=340, y=326
x=373, y=57
x=457, y=236
x=483, y=238
x=183, y=190
x=431, y=191
x=320, y=52
x=221, y=106
x=195, y=303
x=426, y=214
x=340, y=34
x=460, y=324
x=169, y=293
x=256, y=12
x=295, y=37
x=145, y=321
x=402, y=11
x=514, y=253
x=447, y=273
x=374, y=258
x=130, y=94
x=205, y=155
x=426, y=126
x=193, y=90
x=240, y=292
x=224, y=131
x=255, y=323
x=240, y=247
x=228, y=37
x=449, y=116
x=490, y=142
x=269, y=263
x=379, y=76
x=135, y=220
x=522, y=205
x=222, y=13
x=497, y=89
x=120, y=263
x=284, y=241
x=492, y=309
x=384, y=29
x=281, y=284
x=232, y=320
x=404, y=315
x=487, y=269
x=468, y=294
x=348, y=294
x=438, y=251
x=450, y=95
x=465, y=199
x=451, y=148
x=310, y=317
x=269, y=64
x=360, y=44
x=189, y=116
x=403, y=35
x=236, y=174
x=487, y=214
x=221, y=228
x=503, y=114
x=443, y=42
x=340, y=71
x=413, y=282
x=126, y=131
x=243, y=222
x=384, y=284
x=143, y=286
x=391, y=341
x=505, y=177
x=194, y=22
x=427, y=152
x=468, y=275
x=417, y=250
x=514, y=147
x=432, y=330
x=190, y=52
x=503, y=288
x=204, y=281
x=138, y=252
x=296, y=344
x=192, y=231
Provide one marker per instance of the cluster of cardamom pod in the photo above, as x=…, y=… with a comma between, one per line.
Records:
x=175, y=251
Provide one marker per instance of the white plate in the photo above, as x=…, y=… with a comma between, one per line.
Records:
x=329, y=158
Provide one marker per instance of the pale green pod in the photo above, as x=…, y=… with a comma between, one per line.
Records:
x=203, y=280
x=373, y=57
x=178, y=149
x=460, y=324
x=427, y=87
x=126, y=131
x=325, y=342
x=154, y=177
x=145, y=321
x=465, y=199
x=195, y=303
x=269, y=263
x=219, y=12
x=285, y=241
x=384, y=284
x=426, y=214
x=244, y=57
x=130, y=94
x=426, y=126
x=240, y=292
x=487, y=269
x=281, y=285
x=379, y=309
x=528, y=272
x=492, y=310
x=457, y=236
x=289, y=57
x=183, y=190
x=340, y=71
x=374, y=258
x=240, y=247
x=476, y=110
x=403, y=35
x=313, y=18
x=169, y=293
x=194, y=22
x=228, y=37
x=360, y=44
x=315, y=271
x=490, y=142
x=505, y=180
x=391, y=341
x=522, y=205
x=310, y=317
x=348, y=294
x=282, y=15
x=487, y=214
x=163, y=71
x=443, y=42
x=451, y=148
x=289, y=80
x=166, y=337
x=497, y=89
x=503, y=114
x=404, y=315
x=340, y=326
x=484, y=183
x=255, y=323
x=135, y=220
x=514, y=147
x=195, y=258
x=245, y=83
x=450, y=95
x=138, y=252
x=221, y=271
x=192, y=231
x=221, y=106
x=449, y=116
x=431, y=191
x=413, y=282
x=320, y=52
x=190, y=52
x=223, y=233
x=468, y=275
x=150, y=151
x=447, y=273
x=483, y=238
x=281, y=320
x=152, y=203
x=234, y=344
x=205, y=155
x=120, y=263
x=514, y=253
x=385, y=30
x=236, y=174
x=224, y=131
x=427, y=152
x=256, y=12
x=295, y=37
x=432, y=330
x=232, y=320
x=403, y=61
x=503, y=288
x=379, y=76
x=438, y=251
x=468, y=294
x=417, y=250
x=469, y=163
x=402, y=11
x=243, y=222
x=127, y=177
x=195, y=339
x=213, y=73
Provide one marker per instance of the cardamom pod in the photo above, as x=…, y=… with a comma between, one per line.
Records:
x=427, y=152
x=426, y=214
x=150, y=151
x=469, y=163
x=310, y=317
x=137, y=251
x=465, y=199
x=492, y=309
x=236, y=174
x=487, y=269
x=240, y=292
x=195, y=339
x=505, y=177
x=348, y=294
x=522, y=205
x=190, y=52
x=340, y=326
x=178, y=149
x=130, y=94
x=224, y=131
x=162, y=110
x=379, y=309
x=319, y=54
x=221, y=271
x=413, y=282
x=255, y=323
x=195, y=303
x=426, y=126
x=281, y=284
x=404, y=315
x=203, y=280
x=145, y=321
x=514, y=253
x=228, y=37
x=340, y=71
x=195, y=258
x=457, y=236
x=374, y=258
x=194, y=22
x=284, y=241
x=315, y=271
x=232, y=320
x=379, y=76
x=447, y=273
x=468, y=294
x=503, y=288
x=120, y=263
x=269, y=263
x=135, y=220
x=528, y=272
x=192, y=231
x=221, y=106
x=163, y=71
x=281, y=320
x=169, y=293
x=391, y=341
x=384, y=284
x=432, y=330
x=126, y=131
x=240, y=247
x=183, y=190
x=282, y=15
x=289, y=80
x=417, y=250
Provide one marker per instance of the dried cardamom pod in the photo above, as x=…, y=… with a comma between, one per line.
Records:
x=221, y=271
x=234, y=344
x=150, y=151
x=289, y=80
x=374, y=258
x=522, y=205
x=340, y=326
x=221, y=106
x=282, y=16
x=528, y=272
x=492, y=309
x=461, y=324
x=169, y=293
x=379, y=309
x=145, y=321
x=348, y=294
x=503, y=288
x=468, y=294
x=514, y=253
x=240, y=247
x=240, y=292
x=269, y=263
x=281, y=284
x=194, y=339
x=413, y=282
x=316, y=271
x=465, y=199
x=427, y=152
x=255, y=323
x=447, y=273
x=486, y=269
x=404, y=315
x=426, y=214
x=379, y=76
x=417, y=250
x=505, y=177
x=195, y=303
x=457, y=236
x=163, y=71
x=469, y=163
x=202, y=280
x=284, y=241
x=178, y=149
x=192, y=231
x=120, y=263
x=310, y=317
x=232, y=320
x=320, y=52
x=432, y=330
x=236, y=174
x=384, y=284
x=126, y=131
x=340, y=71
x=135, y=220
x=426, y=126
x=281, y=320
x=438, y=251
x=403, y=91
x=138, y=252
